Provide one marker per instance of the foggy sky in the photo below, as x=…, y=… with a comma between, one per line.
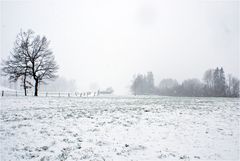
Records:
x=104, y=43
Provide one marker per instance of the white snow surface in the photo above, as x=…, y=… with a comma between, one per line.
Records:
x=119, y=128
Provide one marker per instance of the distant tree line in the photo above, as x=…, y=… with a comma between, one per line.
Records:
x=143, y=84
x=214, y=84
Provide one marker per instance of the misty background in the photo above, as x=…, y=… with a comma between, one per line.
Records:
x=98, y=44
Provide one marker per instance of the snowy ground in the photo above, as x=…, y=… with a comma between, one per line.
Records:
x=119, y=128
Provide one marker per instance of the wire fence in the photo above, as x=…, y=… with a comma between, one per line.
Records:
x=5, y=93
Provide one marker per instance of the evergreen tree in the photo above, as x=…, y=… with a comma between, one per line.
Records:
x=219, y=82
x=222, y=81
x=149, y=83
x=143, y=84
x=137, y=85
x=216, y=82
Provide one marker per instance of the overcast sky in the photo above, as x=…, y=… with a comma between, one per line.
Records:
x=104, y=43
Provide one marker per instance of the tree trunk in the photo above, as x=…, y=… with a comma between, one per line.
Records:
x=36, y=87
x=24, y=85
x=25, y=90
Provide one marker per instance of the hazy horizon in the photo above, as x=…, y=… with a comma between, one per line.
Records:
x=102, y=44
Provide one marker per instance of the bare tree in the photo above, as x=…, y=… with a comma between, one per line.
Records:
x=37, y=60
x=16, y=66
x=168, y=86
x=192, y=87
x=208, y=78
x=41, y=59
x=233, y=89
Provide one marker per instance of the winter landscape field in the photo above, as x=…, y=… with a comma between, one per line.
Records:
x=119, y=128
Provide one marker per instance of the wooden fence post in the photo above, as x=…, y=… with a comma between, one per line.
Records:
x=2, y=93
x=16, y=93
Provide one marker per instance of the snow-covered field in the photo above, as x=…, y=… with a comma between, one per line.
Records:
x=119, y=128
